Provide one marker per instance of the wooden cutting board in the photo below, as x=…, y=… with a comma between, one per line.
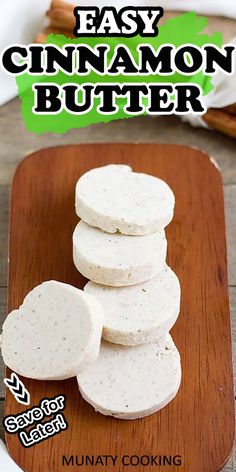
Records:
x=199, y=424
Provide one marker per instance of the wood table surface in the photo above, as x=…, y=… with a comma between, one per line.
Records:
x=16, y=142
x=43, y=191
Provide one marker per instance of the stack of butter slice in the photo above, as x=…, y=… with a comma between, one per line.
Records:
x=120, y=246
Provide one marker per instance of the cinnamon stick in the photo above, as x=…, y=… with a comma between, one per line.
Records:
x=40, y=38
x=221, y=121
x=230, y=109
x=51, y=29
x=60, y=5
x=61, y=18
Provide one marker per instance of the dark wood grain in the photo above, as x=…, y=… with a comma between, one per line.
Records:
x=1, y=425
x=199, y=423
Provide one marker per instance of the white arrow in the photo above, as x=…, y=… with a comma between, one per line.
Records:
x=18, y=389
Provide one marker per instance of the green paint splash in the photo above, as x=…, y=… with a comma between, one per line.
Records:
x=180, y=30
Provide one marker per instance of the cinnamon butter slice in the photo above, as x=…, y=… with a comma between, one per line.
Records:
x=132, y=382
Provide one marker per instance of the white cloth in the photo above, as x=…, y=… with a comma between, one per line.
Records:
x=20, y=20
x=29, y=17
x=204, y=7
x=207, y=7
x=223, y=94
x=6, y=462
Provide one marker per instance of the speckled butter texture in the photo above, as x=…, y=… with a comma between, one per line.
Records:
x=113, y=198
x=132, y=382
x=132, y=300
x=117, y=259
x=140, y=313
x=54, y=334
